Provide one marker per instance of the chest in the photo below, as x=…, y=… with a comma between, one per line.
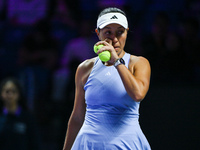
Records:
x=104, y=86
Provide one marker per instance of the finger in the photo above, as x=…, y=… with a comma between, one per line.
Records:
x=102, y=42
x=104, y=48
x=108, y=41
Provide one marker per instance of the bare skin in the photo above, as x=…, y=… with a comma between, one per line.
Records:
x=10, y=96
x=136, y=78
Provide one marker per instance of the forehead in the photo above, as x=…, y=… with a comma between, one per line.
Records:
x=9, y=84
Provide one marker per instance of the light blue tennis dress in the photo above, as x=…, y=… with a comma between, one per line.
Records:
x=111, y=120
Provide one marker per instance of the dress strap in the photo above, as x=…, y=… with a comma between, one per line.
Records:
x=126, y=58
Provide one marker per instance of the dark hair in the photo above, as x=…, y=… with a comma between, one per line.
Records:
x=111, y=10
x=21, y=101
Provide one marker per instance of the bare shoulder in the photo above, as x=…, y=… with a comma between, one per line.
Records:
x=86, y=65
x=84, y=69
x=138, y=61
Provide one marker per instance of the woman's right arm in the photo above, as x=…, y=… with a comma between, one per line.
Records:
x=78, y=114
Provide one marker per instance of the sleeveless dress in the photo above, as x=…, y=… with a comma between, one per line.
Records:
x=111, y=119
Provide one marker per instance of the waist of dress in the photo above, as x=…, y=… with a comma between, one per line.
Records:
x=112, y=115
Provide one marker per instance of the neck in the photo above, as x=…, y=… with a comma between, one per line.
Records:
x=11, y=108
x=121, y=54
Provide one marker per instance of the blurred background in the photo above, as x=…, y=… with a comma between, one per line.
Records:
x=43, y=41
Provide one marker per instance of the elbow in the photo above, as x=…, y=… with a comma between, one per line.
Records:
x=138, y=97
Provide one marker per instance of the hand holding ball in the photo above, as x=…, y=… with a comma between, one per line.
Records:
x=103, y=56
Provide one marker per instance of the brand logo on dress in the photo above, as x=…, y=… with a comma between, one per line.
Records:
x=108, y=74
x=114, y=17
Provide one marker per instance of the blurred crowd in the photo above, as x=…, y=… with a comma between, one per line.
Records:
x=42, y=43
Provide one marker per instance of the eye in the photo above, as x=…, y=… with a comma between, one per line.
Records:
x=13, y=91
x=107, y=32
x=120, y=32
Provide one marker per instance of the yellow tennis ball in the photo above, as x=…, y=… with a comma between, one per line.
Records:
x=103, y=56
x=96, y=48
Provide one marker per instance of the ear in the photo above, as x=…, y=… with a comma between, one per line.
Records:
x=97, y=32
x=127, y=30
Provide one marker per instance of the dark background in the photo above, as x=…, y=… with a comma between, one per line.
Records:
x=43, y=45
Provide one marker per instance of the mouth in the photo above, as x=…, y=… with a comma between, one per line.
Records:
x=116, y=48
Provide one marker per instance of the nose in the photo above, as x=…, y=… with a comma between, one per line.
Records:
x=113, y=38
x=9, y=94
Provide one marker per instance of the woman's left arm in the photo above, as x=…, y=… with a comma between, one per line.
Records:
x=136, y=78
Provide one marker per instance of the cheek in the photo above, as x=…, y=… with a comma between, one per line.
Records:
x=16, y=97
x=122, y=41
x=101, y=37
x=3, y=96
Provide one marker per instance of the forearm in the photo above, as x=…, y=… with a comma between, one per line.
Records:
x=72, y=131
x=134, y=87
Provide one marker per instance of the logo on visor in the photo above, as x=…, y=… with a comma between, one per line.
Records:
x=114, y=17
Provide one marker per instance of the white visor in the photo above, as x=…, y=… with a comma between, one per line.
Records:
x=110, y=18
